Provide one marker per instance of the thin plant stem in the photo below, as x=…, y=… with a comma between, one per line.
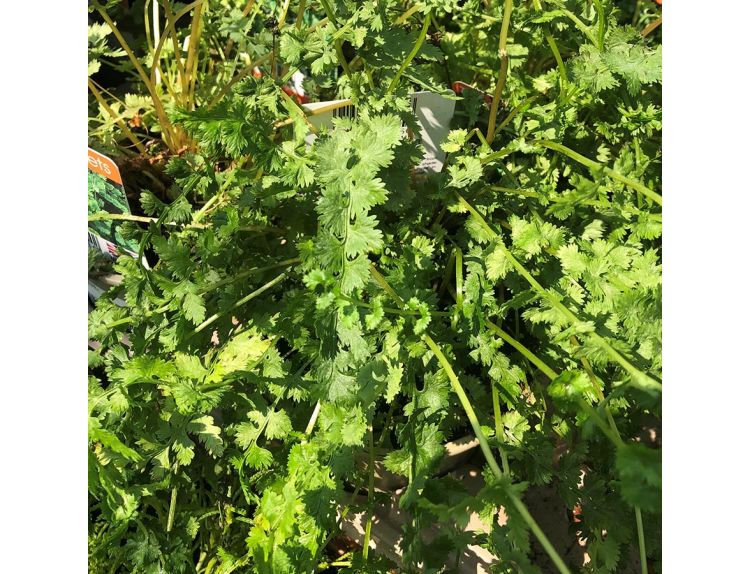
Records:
x=313, y=418
x=556, y=53
x=610, y=431
x=496, y=155
x=406, y=15
x=370, y=491
x=172, y=509
x=328, y=9
x=602, y=23
x=503, y=73
x=212, y=287
x=599, y=391
x=651, y=27
x=531, y=357
x=147, y=26
x=447, y=274
x=176, y=46
x=191, y=63
x=412, y=54
x=480, y=136
x=498, y=417
x=248, y=273
x=282, y=15
x=580, y=25
x=591, y=164
x=459, y=287
x=241, y=302
x=560, y=64
x=157, y=32
x=641, y=540
x=300, y=14
x=156, y=70
x=514, y=112
x=122, y=125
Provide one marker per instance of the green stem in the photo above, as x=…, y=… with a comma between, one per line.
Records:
x=556, y=53
x=103, y=216
x=300, y=14
x=328, y=9
x=526, y=515
x=591, y=411
x=191, y=62
x=241, y=302
x=313, y=418
x=514, y=112
x=248, y=272
x=641, y=540
x=591, y=164
x=518, y=346
x=602, y=23
x=509, y=190
x=560, y=64
x=459, y=287
x=172, y=509
x=406, y=15
x=499, y=427
x=282, y=16
x=612, y=433
x=370, y=490
x=176, y=46
x=380, y=280
x=466, y=404
x=213, y=286
x=581, y=26
x=447, y=274
x=411, y=56
x=496, y=155
x=599, y=391
x=503, y=73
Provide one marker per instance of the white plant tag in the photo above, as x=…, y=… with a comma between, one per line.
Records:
x=434, y=113
x=324, y=112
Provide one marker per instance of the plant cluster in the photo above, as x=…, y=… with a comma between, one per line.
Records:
x=307, y=302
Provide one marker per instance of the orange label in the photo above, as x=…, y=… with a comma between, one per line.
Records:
x=102, y=165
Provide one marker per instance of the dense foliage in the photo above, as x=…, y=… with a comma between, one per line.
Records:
x=306, y=302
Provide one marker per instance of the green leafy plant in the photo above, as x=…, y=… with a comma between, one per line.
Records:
x=306, y=302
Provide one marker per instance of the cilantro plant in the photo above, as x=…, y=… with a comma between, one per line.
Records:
x=309, y=299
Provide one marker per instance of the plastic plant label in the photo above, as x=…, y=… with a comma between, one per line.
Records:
x=106, y=193
x=322, y=114
x=434, y=113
